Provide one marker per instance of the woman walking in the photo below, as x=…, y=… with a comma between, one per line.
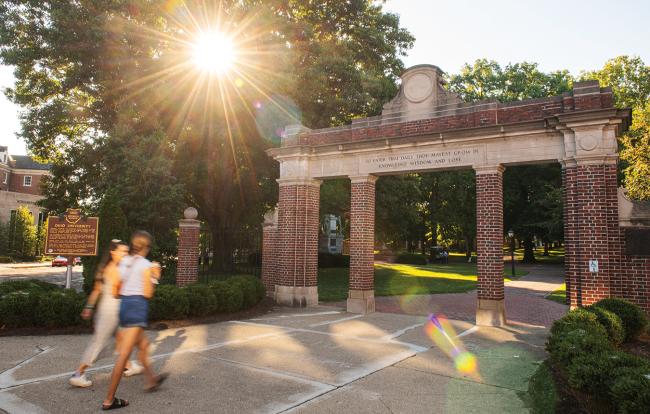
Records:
x=107, y=316
x=138, y=276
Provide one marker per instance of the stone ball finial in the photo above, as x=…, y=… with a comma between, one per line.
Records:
x=191, y=213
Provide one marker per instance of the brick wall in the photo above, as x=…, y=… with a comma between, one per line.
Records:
x=362, y=234
x=297, y=244
x=187, y=270
x=16, y=183
x=500, y=114
x=269, y=257
x=489, y=233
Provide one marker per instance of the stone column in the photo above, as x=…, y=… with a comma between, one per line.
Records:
x=489, y=246
x=296, y=283
x=189, y=230
x=361, y=296
x=270, y=251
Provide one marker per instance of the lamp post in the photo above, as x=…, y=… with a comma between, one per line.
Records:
x=511, y=236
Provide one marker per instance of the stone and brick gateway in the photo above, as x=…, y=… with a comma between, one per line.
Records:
x=426, y=128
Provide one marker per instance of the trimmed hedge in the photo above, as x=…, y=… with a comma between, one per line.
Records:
x=33, y=303
x=225, y=296
x=326, y=260
x=583, y=346
x=411, y=258
x=634, y=319
x=611, y=322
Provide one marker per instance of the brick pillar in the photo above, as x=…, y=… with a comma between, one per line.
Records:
x=489, y=246
x=189, y=230
x=296, y=283
x=270, y=251
x=361, y=296
x=596, y=221
x=571, y=236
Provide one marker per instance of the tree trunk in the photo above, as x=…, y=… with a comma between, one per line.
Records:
x=469, y=241
x=529, y=252
x=546, y=248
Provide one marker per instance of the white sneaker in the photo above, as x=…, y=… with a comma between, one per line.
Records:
x=80, y=381
x=134, y=370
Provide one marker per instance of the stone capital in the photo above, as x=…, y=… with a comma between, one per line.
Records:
x=366, y=178
x=283, y=182
x=189, y=223
x=596, y=159
x=490, y=169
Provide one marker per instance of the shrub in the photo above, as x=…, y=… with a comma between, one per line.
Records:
x=576, y=333
x=631, y=391
x=59, y=309
x=633, y=318
x=229, y=297
x=611, y=322
x=6, y=259
x=326, y=260
x=202, y=300
x=169, y=302
x=411, y=258
x=251, y=287
x=593, y=373
x=51, y=309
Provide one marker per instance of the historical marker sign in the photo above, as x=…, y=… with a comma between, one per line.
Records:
x=72, y=234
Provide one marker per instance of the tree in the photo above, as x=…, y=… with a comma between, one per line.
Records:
x=629, y=78
x=23, y=234
x=84, y=67
x=398, y=213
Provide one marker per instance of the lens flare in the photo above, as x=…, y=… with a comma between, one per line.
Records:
x=444, y=336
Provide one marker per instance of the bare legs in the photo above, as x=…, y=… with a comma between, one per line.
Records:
x=130, y=338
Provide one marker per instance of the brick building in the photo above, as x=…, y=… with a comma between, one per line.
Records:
x=20, y=184
x=427, y=128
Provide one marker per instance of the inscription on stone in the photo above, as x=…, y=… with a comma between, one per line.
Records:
x=420, y=160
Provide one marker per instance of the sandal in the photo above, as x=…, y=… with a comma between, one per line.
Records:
x=159, y=380
x=117, y=403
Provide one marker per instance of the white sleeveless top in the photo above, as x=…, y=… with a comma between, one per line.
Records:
x=132, y=270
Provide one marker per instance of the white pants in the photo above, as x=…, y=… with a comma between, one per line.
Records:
x=106, y=320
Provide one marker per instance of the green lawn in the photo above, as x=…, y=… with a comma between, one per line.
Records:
x=555, y=255
x=400, y=279
x=558, y=295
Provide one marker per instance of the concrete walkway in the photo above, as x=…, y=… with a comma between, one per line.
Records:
x=320, y=360
x=524, y=298
x=41, y=271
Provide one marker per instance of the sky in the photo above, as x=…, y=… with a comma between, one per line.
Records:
x=577, y=35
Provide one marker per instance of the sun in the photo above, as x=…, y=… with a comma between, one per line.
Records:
x=213, y=52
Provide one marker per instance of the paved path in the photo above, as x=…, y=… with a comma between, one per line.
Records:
x=320, y=360
x=45, y=272
x=524, y=298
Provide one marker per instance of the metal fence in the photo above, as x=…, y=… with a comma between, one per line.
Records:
x=245, y=257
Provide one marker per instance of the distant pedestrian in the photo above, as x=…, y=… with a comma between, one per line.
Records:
x=107, y=315
x=138, y=276
x=445, y=256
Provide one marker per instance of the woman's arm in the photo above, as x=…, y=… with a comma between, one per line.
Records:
x=92, y=299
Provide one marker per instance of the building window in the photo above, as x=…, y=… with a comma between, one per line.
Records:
x=5, y=178
x=27, y=181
